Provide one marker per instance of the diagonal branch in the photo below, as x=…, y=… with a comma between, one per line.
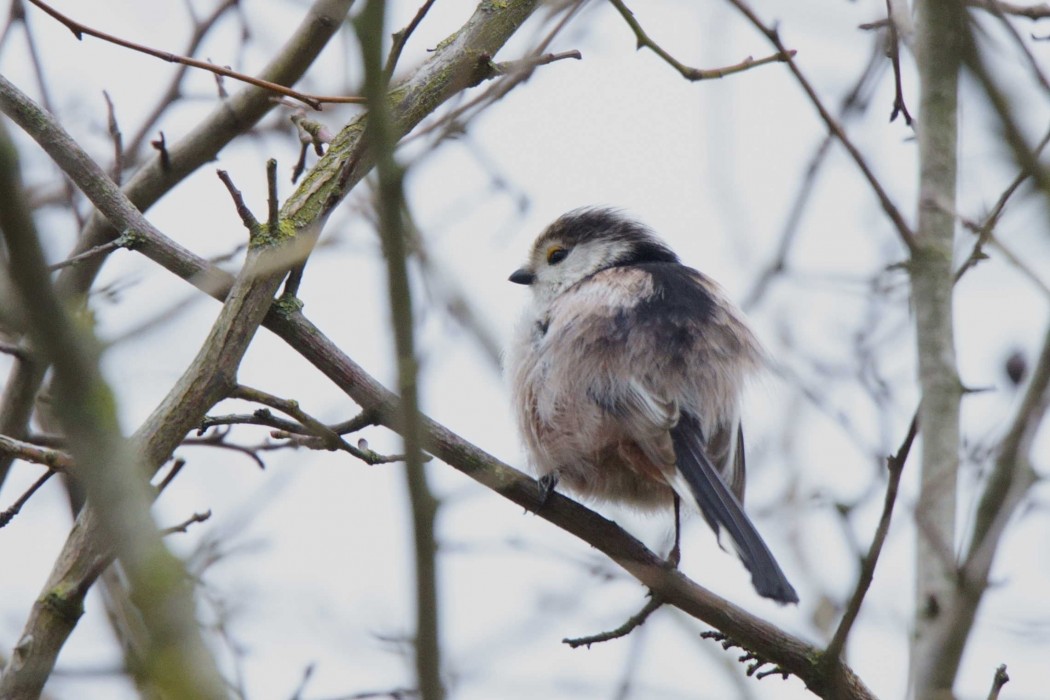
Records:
x=79, y=30
x=903, y=229
x=895, y=467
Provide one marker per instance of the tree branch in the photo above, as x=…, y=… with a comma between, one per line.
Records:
x=381, y=136
x=895, y=467
x=80, y=29
x=939, y=27
x=688, y=72
x=903, y=229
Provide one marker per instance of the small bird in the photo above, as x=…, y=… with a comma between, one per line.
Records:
x=627, y=370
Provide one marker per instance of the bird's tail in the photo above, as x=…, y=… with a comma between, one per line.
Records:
x=723, y=511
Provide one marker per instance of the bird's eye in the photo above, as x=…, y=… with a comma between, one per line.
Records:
x=555, y=254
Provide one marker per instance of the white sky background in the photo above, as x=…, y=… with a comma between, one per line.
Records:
x=317, y=567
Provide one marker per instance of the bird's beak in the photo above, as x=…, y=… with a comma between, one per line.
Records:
x=523, y=276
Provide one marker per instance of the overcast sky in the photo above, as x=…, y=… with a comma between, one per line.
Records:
x=316, y=565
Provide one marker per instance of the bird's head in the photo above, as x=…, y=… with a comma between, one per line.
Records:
x=583, y=242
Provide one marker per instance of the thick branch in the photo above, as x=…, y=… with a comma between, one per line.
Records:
x=938, y=32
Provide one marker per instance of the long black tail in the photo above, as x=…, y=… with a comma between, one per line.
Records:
x=722, y=511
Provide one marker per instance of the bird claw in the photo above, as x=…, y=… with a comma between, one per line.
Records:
x=547, y=483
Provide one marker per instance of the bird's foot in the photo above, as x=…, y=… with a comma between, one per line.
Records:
x=547, y=482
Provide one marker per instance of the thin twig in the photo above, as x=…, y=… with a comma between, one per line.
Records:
x=401, y=38
x=364, y=419
x=171, y=94
x=79, y=30
x=530, y=63
x=688, y=72
x=9, y=514
x=273, y=204
x=895, y=467
x=218, y=440
x=176, y=466
x=984, y=230
x=634, y=621
x=998, y=681
x=160, y=145
x=907, y=236
x=14, y=350
x=261, y=417
x=247, y=218
x=185, y=524
x=118, y=139
x=899, y=107
x=330, y=438
x=126, y=240
x=1032, y=12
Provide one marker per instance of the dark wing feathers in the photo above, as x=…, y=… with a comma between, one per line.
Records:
x=722, y=511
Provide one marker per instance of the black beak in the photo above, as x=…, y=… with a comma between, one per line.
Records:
x=523, y=276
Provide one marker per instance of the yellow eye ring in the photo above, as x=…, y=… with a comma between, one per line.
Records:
x=555, y=254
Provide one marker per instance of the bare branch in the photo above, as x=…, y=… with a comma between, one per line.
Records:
x=53, y=459
x=79, y=30
x=632, y=623
x=998, y=681
x=688, y=72
x=184, y=526
x=1012, y=475
x=329, y=438
x=833, y=679
x=247, y=218
x=530, y=63
x=1032, y=12
x=9, y=514
x=899, y=107
x=210, y=377
x=903, y=229
x=895, y=467
x=938, y=45
x=382, y=136
x=401, y=38
x=126, y=240
x=118, y=139
x=200, y=31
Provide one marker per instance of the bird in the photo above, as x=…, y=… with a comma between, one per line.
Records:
x=626, y=372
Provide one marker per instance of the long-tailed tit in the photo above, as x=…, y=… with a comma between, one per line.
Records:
x=627, y=370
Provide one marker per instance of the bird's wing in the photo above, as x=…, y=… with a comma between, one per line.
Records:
x=666, y=358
